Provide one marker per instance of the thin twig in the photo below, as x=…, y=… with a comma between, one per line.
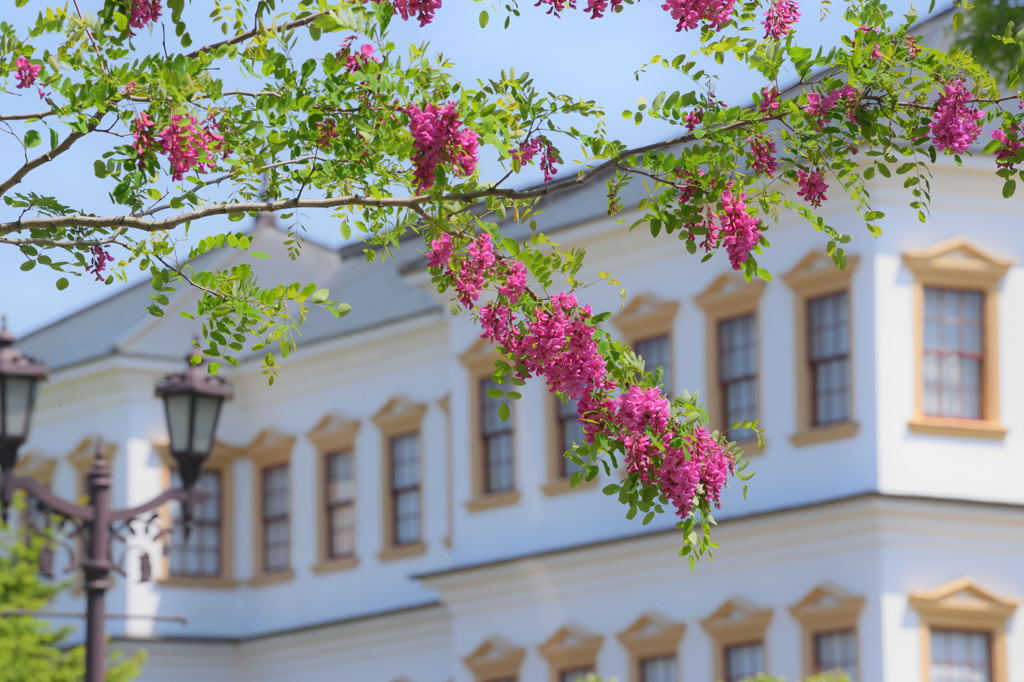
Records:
x=65, y=145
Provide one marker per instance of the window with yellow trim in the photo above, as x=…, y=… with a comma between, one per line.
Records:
x=571, y=653
x=738, y=629
x=402, y=503
x=271, y=453
x=829, y=618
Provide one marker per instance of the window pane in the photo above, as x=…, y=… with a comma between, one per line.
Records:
x=200, y=555
x=836, y=651
x=660, y=669
x=953, y=353
x=961, y=656
x=276, y=522
x=828, y=336
x=743, y=660
x=657, y=352
x=497, y=442
x=570, y=431
x=737, y=371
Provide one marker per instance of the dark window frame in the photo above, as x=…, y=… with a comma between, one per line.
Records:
x=332, y=505
x=488, y=435
x=190, y=548
x=822, y=363
x=725, y=384
x=283, y=518
x=398, y=492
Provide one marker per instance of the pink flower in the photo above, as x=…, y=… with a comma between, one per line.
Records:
x=26, y=73
x=99, y=260
x=326, y=133
x=142, y=131
x=769, y=100
x=713, y=462
x=144, y=12
x=355, y=61
x=478, y=265
x=189, y=145
x=779, y=20
x=876, y=53
x=1008, y=154
x=955, y=125
x=597, y=8
x=643, y=408
x=740, y=232
x=762, y=148
x=526, y=151
x=693, y=118
x=422, y=10
x=515, y=282
x=821, y=106
x=556, y=7
x=691, y=185
x=438, y=137
x=440, y=251
x=911, y=46
x=548, y=161
x=678, y=479
x=715, y=14
x=812, y=187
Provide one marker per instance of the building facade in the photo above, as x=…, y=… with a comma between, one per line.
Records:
x=371, y=520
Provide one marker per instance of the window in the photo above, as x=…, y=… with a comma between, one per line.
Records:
x=496, y=660
x=200, y=554
x=730, y=307
x=569, y=431
x=657, y=352
x=271, y=455
x=828, y=343
x=822, y=339
x=659, y=669
x=276, y=519
x=738, y=630
x=653, y=645
x=953, y=353
x=497, y=446
x=335, y=439
x=963, y=632
x=836, y=651
x=340, y=479
x=961, y=656
x=743, y=661
x=405, y=488
x=829, y=615
x=737, y=372
x=576, y=674
x=571, y=653
x=956, y=310
x=402, y=509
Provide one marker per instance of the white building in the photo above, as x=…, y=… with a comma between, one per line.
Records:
x=883, y=532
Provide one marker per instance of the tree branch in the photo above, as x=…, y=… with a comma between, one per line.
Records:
x=65, y=145
x=242, y=37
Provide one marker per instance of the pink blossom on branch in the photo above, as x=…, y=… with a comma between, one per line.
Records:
x=438, y=137
x=421, y=10
x=740, y=232
x=26, y=73
x=1008, y=153
x=689, y=14
x=769, y=100
x=955, y=124
x=812, y=187
x=144, y=12
x=189, y=145
x=597, y=8
x=762, y=149
x=779, y=20
x=99, y=259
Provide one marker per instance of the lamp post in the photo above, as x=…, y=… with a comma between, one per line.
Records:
x=192, y=401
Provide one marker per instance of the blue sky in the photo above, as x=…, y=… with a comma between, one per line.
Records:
x=595, y=59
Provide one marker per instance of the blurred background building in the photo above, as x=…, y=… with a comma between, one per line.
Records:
x=371, y=520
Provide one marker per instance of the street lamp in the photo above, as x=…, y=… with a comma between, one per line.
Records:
x=192, y=402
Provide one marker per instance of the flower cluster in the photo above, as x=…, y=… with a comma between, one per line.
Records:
x=144, y=12
x=911, y=46
x=762, y=149
x=549, y=159
x=187, y=144
x=1008, y=153
x=779, y=20
x=421, y=10
x=739, y=231
x=769, y=100
x=99, y=259
x=689, y=14
x=557, y=341
x=955, y=125
x=326, y=133
x=822, y=106
x=812, y=187
x=355, y=60
x=439, y=137
x=27, y=72
x=597, y=8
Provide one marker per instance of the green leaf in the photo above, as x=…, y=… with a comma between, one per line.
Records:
x=33, y=138
x=504, y=412
x=62, y=283
x=28, y=265
x=1009, y=187
x=484, y=18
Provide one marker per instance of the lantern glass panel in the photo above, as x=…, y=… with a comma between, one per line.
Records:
x=205, y=416
x=179, y=417
x=19, y=395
